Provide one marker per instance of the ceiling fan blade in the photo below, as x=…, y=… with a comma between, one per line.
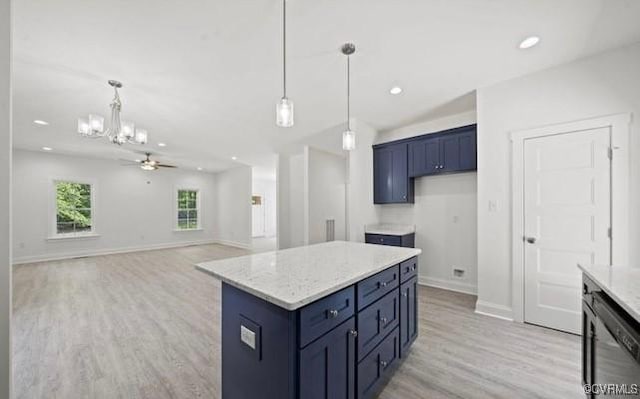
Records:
x=161, y=165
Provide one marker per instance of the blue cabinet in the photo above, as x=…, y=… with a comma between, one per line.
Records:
x=391, y=182
x=397, y=163
x=407, y=240
x=452, y=151
x=345, y=345
x=408, y=314
x=328, y=366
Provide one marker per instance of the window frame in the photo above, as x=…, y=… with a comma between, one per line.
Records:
x=53, y=209
x=198, y=209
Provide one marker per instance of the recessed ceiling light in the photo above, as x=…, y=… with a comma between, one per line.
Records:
x=529, y=42
x=396, y=90
x=41, y=122
x=199, y=168
x=234, y=158
x=47, y=148
x=162, y=144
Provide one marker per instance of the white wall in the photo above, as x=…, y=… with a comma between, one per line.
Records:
x=444, y=213
x=233, y=204
x=134, y=209
x=600, y=85
x=5, y=199
x=360, y=208
x=296, y=195
x=267, y=189
x=325, y=194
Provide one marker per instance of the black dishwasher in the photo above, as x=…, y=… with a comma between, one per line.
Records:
x=611, y=353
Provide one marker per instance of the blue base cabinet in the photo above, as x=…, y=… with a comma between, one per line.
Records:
x=345, y=345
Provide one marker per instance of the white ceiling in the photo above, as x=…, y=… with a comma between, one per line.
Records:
x=204, y=75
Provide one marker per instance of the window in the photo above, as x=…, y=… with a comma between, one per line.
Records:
x=188, y=209
x=74, y=208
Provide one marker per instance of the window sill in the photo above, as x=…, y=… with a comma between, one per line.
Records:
x=62, y=237
x=183, y=230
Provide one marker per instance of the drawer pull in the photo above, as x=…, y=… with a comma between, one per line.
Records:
x=333, y=313
x=383, y=363
x=353, y=333
x=383, y=284
x=413, y=268
x=383, y=320
x=404, y=294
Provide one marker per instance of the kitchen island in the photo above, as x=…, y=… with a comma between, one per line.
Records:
x=328, y=320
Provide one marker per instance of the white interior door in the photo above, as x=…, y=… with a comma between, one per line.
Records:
x=567, y=220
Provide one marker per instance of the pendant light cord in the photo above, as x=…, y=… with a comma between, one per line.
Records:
x=348, y=92
x=284, y=47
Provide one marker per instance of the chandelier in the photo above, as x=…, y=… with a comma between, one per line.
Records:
x=119, y=132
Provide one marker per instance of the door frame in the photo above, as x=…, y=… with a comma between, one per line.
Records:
x=619, y=126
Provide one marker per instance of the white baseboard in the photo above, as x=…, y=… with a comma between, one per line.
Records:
x=112, y=251
x=450, y=285
x=494, y=310
x=235, y=244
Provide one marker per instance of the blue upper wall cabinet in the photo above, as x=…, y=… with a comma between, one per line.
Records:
x=395, y=164
x=391, y=184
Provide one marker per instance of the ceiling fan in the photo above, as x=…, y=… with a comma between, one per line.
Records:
x=148, y=163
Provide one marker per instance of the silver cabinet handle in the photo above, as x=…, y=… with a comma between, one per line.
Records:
x=441, y=166
x=383, y=320
x=413, y=268
x=382, y=240
x=353, y=333
x=530, y=240
x=333, y=313
x=404, y=294
x=383, y=284
x=383, y=363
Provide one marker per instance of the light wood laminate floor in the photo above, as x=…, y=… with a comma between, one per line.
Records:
x=147, y=325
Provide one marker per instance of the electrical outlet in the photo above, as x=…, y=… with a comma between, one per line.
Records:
x=458, y=272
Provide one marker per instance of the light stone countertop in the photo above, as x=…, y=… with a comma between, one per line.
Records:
x=622, y=284
x=295, y=277
x=390, y=229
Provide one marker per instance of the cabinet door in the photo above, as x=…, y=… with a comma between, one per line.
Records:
x=391, y=183
x=382, y=175
x=458, y=151
x=424, y=157
x=328, y=366
x=408, y=314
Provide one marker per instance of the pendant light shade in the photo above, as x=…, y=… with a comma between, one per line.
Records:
x=348, y=136
x=349, y=140
x=284, y=108
x=284, y=112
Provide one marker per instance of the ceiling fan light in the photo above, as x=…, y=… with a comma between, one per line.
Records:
x=284, y=112
x=349, y=140
x=96, y=123
x=142, y=136
x=148, y=166
x=83, y=127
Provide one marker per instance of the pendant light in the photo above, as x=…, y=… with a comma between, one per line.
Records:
x=284, y=108
x=349, y=136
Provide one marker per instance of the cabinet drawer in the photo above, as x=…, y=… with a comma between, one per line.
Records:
x=376, y=368
x=376, y=321
x=382, y=239
x=325, y=314
x=408, y=269
x=376, y=286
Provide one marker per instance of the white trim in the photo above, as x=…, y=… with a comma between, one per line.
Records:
x=113, y=251
x=187, y=230
x=450, y=285
x=77, y=236
x=233, y=244
x=494, y=310
x=620, y=131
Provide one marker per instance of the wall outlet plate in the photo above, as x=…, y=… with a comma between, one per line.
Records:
x=250, y=337
x=458, y=272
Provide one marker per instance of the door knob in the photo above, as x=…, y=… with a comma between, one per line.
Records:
x=530, y=240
